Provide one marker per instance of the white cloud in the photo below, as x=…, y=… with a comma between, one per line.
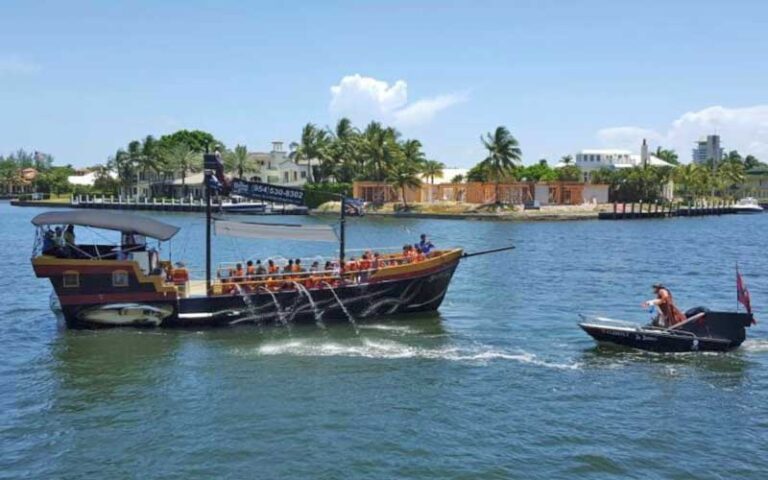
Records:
x=422, y=111
x=744, y=129
x=365, y=98
x=15, y=65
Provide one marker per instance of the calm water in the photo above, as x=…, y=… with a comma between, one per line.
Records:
x=500, y=384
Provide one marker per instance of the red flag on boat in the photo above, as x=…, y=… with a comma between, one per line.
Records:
x=742, y=294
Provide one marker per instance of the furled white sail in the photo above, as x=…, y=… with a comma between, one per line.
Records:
x=313, y=233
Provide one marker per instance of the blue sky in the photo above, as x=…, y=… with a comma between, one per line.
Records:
x=80, y=79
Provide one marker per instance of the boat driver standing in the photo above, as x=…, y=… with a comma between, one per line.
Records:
x=668, y=314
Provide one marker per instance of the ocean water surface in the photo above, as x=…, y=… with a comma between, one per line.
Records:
x=500, y=383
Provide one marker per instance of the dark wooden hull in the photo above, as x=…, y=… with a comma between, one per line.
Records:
x=715, y=332
x=420, y=293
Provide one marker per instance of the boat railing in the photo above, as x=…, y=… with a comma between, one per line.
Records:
x=282, y=260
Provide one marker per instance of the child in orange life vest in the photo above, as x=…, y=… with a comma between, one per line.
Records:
x=418, y=255
x=311, y=280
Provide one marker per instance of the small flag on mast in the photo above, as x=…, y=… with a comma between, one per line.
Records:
x=742, y=294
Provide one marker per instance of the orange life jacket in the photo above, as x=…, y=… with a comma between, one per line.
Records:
x=180, y=275
x=365, y=264
x=251, y=270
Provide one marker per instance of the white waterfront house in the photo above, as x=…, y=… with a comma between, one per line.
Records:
x=275, y=167
x=592, y=160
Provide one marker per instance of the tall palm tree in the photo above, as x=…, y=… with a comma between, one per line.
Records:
x=341, y=152
x=123, y=165
x=504, y=155
x=180, y=157
x=566, y=159
x=402, y=175
x=380, y=149
x=432, y=169
x=312, y=146
x=238, y=161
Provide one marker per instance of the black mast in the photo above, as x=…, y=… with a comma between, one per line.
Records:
x=209, y=165
x=342, y=222
x=207, y=234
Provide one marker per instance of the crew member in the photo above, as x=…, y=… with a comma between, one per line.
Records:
x=668, y=313
x=425, y=245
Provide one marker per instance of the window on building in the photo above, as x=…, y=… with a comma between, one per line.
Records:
x=285, y=177
x=296, y=176
x=119, y=278
x=303, y=174
x=71, y=279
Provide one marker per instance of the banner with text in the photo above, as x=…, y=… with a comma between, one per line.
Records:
x=267, y=191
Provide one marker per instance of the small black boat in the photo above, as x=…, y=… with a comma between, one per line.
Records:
x=703, y=330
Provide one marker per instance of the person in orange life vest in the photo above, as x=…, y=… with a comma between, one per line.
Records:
x=365, y=262
x=351, y=265
x=668, y=313
x=297, y=266
x=418, y=256
x=272, y=269
x=410, y=254
x=377, y=261
x=180, y=274
x=311, y=280
x=239, y=274
x=250, y=270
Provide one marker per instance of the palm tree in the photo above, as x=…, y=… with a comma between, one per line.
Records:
x=238, y=161
x=341, y=152
x=380, y=148
x=503, y=155
x=432, y=169
x=312, y=146
x=730, y=174
x=566, y=159
x=180, y=157
x=402, y=175
x=126, y=170
x=669, y=156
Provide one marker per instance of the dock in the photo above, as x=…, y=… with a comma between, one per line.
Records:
x=163, y=205
x=634, y=211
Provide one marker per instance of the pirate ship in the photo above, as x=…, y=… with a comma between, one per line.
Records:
x=104, y=285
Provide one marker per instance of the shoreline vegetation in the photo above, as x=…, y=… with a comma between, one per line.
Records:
x=332, y=159
x=471, y=211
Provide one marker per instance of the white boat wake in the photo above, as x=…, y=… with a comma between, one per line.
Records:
x=390, y=350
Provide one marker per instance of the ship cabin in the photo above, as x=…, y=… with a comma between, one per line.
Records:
x=82, y=273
